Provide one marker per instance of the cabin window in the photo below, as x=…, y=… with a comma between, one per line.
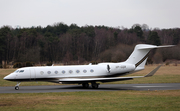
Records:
x=77, y=71
x=56, y=72
x=49, y=72
x=41, y=72
x=92, y=70
x=84, y=71
x=70, y=71
x=21, y=71
x=63, y=72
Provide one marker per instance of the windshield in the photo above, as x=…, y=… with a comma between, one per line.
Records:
x=16, y=71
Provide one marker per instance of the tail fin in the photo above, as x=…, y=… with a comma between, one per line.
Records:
x=140, y=54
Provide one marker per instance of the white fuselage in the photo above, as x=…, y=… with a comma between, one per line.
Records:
x=55, y=73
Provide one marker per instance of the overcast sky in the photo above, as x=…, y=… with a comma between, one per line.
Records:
x=112, y=13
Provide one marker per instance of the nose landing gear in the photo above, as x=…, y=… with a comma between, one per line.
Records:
x=17, y=86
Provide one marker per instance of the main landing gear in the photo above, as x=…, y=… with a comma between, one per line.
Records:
x=17, y=86
x=94, y=85
x=85, y=85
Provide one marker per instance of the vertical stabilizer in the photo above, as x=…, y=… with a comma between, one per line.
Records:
x=140, y=54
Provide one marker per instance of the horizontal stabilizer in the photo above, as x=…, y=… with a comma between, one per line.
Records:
x=153, y=46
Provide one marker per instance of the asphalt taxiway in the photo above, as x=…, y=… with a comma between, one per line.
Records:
x=102, y=87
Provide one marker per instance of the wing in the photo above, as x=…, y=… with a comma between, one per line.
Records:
x=80, y=80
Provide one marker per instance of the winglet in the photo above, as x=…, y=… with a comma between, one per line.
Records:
x=153, y=71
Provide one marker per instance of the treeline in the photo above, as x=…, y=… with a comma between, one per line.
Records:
x=72, y=44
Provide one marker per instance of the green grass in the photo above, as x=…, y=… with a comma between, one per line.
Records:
x=98, y=101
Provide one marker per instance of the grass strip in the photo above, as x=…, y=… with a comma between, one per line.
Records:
x=99, y=101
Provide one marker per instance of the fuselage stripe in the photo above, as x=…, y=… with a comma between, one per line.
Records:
x=137, y=64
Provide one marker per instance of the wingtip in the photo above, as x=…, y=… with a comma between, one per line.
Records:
x=153, y=71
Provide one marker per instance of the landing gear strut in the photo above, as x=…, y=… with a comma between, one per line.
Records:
x=17, y=86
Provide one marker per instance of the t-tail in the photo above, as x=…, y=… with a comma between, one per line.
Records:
x=140, y=55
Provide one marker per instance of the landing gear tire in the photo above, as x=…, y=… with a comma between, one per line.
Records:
x=85, y=85
x=95, y=85
x=17, y=88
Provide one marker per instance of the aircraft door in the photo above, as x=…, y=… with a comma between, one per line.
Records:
x=32, y=74
x=15, y=75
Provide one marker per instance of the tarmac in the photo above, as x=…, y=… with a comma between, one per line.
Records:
x=102, y=87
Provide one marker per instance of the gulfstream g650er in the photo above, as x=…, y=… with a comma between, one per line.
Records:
x=85, y=74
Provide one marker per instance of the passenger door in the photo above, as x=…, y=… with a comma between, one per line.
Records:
x=32, y=74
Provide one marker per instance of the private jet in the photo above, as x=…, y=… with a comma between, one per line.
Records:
x=88, y=74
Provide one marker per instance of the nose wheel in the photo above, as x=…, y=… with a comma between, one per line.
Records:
x=17, y=86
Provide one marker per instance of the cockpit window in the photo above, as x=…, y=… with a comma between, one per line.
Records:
x=21, y=71
x=16, y=71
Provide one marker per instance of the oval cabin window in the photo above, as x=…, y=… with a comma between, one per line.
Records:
x=77, y=71
x=41, y=72
x=70, y=71
x=49, y=72
x=56, y=72
x=91, y=70
x=63, y=72
x=84, y=71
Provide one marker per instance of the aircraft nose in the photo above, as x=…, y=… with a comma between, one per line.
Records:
x=5, y=78
x=8, y=77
